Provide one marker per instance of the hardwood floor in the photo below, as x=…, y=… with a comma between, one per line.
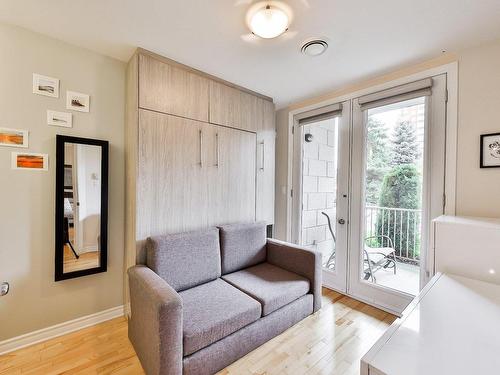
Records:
x=84, y=262
x=329, y=342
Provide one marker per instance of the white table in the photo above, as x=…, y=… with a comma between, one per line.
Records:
x=452, y=327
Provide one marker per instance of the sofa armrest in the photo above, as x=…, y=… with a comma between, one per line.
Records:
x=155, y=326
x=300, y=260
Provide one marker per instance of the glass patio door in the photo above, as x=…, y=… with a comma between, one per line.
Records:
x=321, y=183
x=398, y=188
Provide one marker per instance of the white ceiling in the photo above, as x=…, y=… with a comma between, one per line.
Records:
x=367, y=37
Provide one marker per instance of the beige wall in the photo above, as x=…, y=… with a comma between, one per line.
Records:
x=27, y=197
x=478, y=190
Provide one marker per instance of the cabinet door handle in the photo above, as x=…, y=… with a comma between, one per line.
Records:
x=263, y=159
x=201, y=148
x=217, y=150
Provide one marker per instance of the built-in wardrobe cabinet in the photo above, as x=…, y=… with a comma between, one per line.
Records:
x=171, y=89
x=199, y=152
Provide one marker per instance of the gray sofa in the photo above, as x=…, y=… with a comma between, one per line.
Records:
x=206, y=298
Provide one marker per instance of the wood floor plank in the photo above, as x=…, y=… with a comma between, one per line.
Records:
x=332, y=341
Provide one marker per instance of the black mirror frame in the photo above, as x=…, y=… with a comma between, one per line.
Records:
x=59, y=253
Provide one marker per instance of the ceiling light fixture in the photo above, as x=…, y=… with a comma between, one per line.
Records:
x=268, y=20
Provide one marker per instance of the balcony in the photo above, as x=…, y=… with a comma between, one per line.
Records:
x=403, y=228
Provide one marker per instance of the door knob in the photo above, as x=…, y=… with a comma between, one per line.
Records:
x=341, y=221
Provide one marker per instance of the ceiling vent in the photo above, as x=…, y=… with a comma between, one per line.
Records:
x=314, y=47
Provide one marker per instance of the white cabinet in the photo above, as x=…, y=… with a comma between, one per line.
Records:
x=451, y=327
x=468, y=246
x=192, y=175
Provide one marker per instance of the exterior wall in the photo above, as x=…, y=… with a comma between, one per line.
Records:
x=319, y=176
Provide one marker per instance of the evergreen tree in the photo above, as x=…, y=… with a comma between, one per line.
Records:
x=404, y=144
x=401, y=189
x=378, y=158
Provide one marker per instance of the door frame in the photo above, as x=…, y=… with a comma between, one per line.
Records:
x=451, y=70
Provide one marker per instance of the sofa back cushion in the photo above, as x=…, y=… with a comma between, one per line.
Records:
x=242, y=246
x=185, y=260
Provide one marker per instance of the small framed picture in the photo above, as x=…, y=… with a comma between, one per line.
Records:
x=490, y=150
x=63, y=119
x=13, y=137
x=43, y=85
x=77, y=101
x=29, y=160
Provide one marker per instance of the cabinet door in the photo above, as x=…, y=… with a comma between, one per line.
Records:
x=232, y=176
x=234, y=108
x=172, y=90
x=266, y=139
x=172, y=192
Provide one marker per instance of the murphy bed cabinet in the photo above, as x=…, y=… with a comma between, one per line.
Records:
x=199, y=152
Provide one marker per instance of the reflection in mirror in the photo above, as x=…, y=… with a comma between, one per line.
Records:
x=82, y=206
x=81, y=185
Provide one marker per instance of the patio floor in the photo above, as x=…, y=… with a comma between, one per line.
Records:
x=406, y=279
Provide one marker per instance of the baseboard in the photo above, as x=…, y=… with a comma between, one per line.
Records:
x=44, y=334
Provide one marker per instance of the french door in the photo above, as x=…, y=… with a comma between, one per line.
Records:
x=368, y=178
x=321, y=187
x=398, y=179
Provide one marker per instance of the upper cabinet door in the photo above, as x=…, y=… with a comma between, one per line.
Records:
x=234, y=108
x=172, y=90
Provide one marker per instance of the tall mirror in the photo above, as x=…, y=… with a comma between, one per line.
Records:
x=81, y=207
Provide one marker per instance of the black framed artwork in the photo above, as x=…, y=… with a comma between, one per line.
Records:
x=490, y=150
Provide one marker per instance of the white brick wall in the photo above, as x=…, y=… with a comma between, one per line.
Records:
x=325, y=184
x=316, y=167
x=319, y=185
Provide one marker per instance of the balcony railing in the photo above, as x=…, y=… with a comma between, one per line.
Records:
x=401, y=225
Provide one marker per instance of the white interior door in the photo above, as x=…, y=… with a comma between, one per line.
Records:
x=398, y=179
x=321, y=188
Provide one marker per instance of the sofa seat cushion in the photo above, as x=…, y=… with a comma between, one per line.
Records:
x=272, y=286
x=213, y=311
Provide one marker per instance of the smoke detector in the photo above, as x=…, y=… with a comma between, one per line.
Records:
x=314, y=47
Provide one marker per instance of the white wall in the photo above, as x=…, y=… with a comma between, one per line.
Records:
x=27, y=197
x=478, y=190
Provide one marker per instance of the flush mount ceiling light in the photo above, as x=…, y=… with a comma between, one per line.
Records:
x=268, y=19
x=314, y=47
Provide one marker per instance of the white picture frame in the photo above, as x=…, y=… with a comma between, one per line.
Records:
x=62, y=119
x=30, y=161
x=45, y=85
x=77, y=101
x=14, y=138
